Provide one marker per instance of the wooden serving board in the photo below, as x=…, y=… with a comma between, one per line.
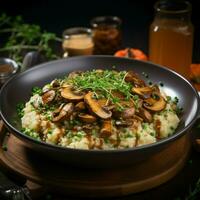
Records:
x=93, y=182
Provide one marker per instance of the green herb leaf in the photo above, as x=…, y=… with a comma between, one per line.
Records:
x=36, y=90
x=20, y=111
x=24, y=37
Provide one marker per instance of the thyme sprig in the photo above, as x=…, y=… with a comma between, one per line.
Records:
x=24, y=37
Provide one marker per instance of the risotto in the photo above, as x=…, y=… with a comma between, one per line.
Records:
x=99, y=109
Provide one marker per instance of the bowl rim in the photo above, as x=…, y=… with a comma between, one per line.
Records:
x=163, y=141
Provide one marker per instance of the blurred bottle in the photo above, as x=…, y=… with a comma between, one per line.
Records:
x=106, y=34
x=171, y=36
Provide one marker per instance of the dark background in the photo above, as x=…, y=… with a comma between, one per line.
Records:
x=57, y=15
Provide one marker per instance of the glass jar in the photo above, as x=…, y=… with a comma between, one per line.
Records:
x=171, y=36
x=77, y=41
x=106, y=34
x=8, y=68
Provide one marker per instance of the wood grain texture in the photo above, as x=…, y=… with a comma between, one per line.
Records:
x=94, y=182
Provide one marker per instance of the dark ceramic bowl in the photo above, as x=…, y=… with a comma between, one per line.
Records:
x=18, y=89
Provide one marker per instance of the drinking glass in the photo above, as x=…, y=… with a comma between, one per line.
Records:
x=77, y=41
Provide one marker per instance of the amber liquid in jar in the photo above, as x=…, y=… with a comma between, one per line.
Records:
x=171, y=38
x=171, y=45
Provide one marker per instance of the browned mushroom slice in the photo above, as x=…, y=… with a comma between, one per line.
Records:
x=110, y=107
x=105, y=104
x=106, y=129
x=74, y=74
x=136, y=117
x=55, y=83
x=69, y=94
x=48, y=96
x=129, y=103
x=65, y=112
x=80, y=106
x=127, y=122
x=133, y=78
x=102, y=102
x=150, y=101
x=87, y=118
x=95, y=107
x=118, y=94
x=57, y=110
x=156, y=105
x=128, y=113
x=144, y=92
x=145, y=115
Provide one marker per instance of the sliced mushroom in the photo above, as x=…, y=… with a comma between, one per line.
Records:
x=95, y=107
x=55, y=83
x=48, y=96
x=156, y=104
x=106, y=129
x=118, y=94
x=144, y=92
x=74, y=74
x=136, y=117
x=150, y=101
x=88, y=127
x=80, y=106
x=87, y=118
x=157, y=126
x=130, y=103
x=105, y=104
x=127, y=122
x=65, y=112
x=57, y=110
x=110, y=107
x=133, y=78
x=128, y=113
x=69, y=94
x=102, y=102
x=145, y=115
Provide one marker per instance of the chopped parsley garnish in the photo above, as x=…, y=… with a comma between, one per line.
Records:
x=168, y=99
x=178, y=110
x=145, y=126
x=31, y=133
x=155, y=96
x=150, y=83
x=145, y=74
x=176, y=100
x=161, y=84
x=36, y=90
x=153, y=134
x=20, y=111
x=4, y=147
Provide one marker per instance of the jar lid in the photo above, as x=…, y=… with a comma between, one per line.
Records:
x=173, y=7
x=111, y=21
x=75, y=31
x=8, y=67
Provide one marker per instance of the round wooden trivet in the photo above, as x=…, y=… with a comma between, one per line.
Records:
x=93, y=182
